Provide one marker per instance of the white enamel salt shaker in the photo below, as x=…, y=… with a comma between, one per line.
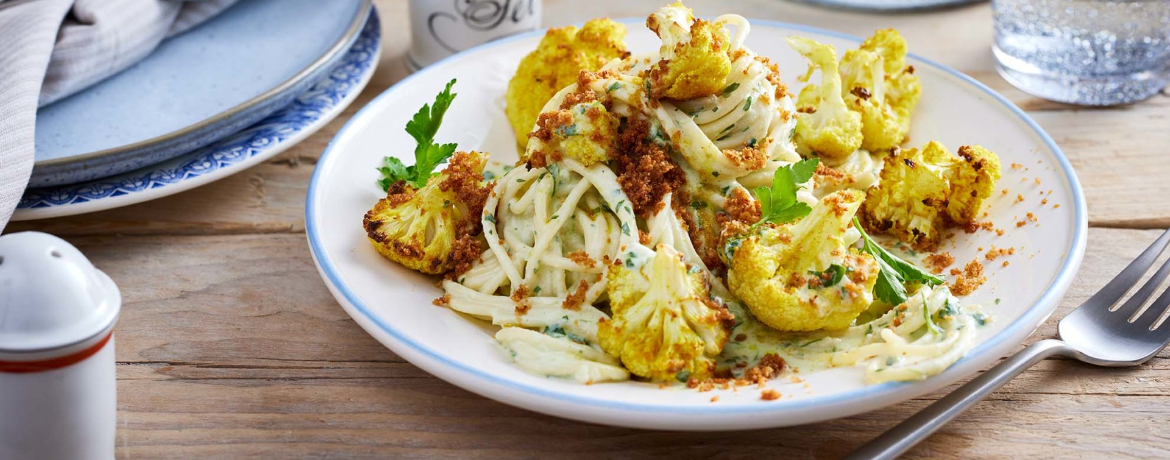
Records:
x=57, y=387
x=440, y=28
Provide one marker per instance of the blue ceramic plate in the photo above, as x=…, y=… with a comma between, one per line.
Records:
x=196, y=88
x=889, y=5
x=307, y=113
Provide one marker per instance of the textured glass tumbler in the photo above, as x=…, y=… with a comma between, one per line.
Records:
x=1087, y=52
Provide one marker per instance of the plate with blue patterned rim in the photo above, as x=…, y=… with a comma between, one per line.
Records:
x=394, y=304
x=889, y=5
x=311, y=110
x=195, y=88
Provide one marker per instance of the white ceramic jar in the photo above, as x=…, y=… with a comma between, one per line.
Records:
x=440, y=28
x=57, y=386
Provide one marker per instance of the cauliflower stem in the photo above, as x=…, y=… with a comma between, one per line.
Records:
x=824, y=124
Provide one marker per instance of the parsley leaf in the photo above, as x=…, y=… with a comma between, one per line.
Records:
x=894, y=273
x=778, y=204
x=427, y=154
x=831, y=276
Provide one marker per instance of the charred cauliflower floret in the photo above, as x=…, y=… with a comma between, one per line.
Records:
x=584, y=132
x=695, y=54
x=561, y=56
x=972, y=179
x=923, y=192
x=824, y=124
x=435, y=228
x=804, y=276
x=665, y=325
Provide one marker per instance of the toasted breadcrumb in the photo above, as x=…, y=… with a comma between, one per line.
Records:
x=576, y=298
x=995, y=253
x=939, y=262
x=645, y=171
x=464, y=253
x=769, y=395
x=742, y=207
x=520, y=296
x=969, y=279
x=769, y=367
x=442, y=301
x=580, y=257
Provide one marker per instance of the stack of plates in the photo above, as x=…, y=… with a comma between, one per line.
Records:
x=890, y=5
x=226, y=95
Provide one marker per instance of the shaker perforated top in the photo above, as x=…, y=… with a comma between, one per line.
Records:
x=51, y=296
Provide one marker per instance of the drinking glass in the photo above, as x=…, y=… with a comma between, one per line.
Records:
x=1087, y=52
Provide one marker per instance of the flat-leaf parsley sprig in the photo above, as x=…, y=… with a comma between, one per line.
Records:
x=778, y=204
x=894, y=272
x=427, y=154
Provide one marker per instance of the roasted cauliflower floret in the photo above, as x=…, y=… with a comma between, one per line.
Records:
x=923, y=192
x=584, y=132
x=902, y=87
x=805, y=276
x=561, y=56
x=695, y=54
x=824, y=124
x=665, y=325
x=973, y=179
x=435, y=228
x=864, y=86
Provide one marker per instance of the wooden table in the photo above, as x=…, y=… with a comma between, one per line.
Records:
x=229, y=345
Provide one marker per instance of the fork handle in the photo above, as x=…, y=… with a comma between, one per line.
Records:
x=907, y=434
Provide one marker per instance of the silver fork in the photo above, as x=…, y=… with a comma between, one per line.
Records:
x=1102, y=331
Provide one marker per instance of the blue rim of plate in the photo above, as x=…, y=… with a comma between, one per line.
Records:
x=1031, y=318
x=340, y=83
x=889, y=6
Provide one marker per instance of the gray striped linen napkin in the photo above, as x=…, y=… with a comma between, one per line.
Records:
x=50, y=49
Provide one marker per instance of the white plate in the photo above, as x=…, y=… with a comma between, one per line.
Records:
x=294, y=122
x=394, y=304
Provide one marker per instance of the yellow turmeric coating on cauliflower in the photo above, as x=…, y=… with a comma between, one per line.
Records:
x=554, y=64
x=805, y=276
x=695, y=54
x=902, y=89
x=584, y=132
x=877, y=84
x=824, y=124
x=436, y=228
x=923, y=192
x=862, y=77
x=665, y=325
x=972, y=179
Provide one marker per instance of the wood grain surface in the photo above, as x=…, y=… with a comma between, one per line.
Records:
x=230, y=346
